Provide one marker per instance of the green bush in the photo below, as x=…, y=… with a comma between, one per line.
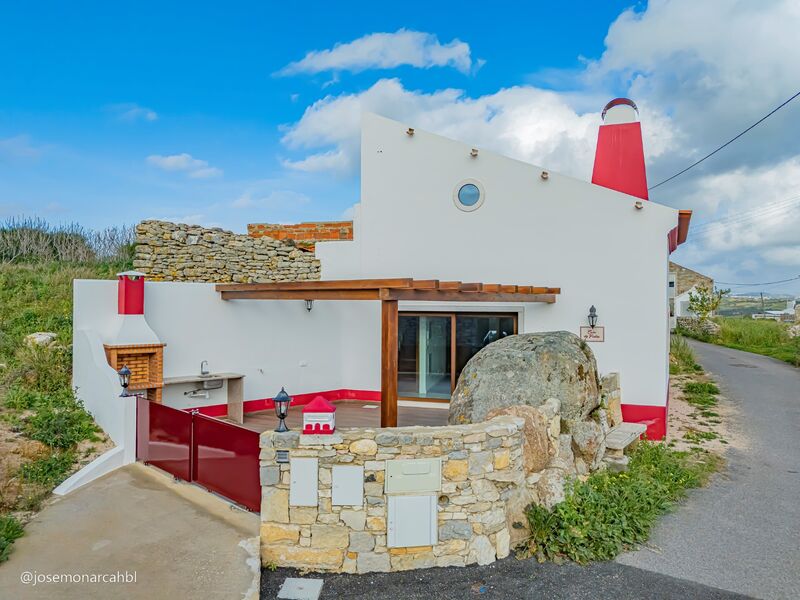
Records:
x=609, y=512
x=60, y=422
x=50, y=470
x=10, y=530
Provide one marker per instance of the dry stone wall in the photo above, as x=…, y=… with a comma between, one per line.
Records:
x=482, y=466
x=178, y=252
x=490, y=472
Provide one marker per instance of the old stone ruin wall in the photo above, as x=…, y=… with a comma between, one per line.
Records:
x=178, y=252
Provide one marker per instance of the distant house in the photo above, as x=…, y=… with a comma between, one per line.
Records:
x=682, y=282
x=787, y=314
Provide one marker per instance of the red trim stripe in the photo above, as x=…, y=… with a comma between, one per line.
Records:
x=220, y=410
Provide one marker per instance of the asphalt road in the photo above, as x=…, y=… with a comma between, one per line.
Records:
x=742, y=532
x=508, y=579
x=739, y=535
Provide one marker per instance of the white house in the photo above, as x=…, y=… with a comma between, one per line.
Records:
x=431, y=209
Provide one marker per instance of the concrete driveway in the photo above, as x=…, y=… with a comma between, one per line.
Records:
x=178, y=540
x=742, y=533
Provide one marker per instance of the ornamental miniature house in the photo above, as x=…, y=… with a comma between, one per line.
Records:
x=319, y=417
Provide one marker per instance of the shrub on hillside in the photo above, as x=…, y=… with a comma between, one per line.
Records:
x=609, y=512
x=35, y=240
x=60, y=421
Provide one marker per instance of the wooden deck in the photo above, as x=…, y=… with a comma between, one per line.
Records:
x=350, y=413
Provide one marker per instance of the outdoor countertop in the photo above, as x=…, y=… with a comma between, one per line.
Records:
x=198, y=377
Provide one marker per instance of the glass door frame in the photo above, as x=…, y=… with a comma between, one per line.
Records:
x=453, y=315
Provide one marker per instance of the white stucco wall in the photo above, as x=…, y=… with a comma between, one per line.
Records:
x=273, y=343
x=589, y=241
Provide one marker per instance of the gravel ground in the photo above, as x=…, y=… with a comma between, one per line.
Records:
x=741, y=532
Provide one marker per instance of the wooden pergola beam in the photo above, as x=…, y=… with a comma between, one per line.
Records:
x=331, y=284
x=389, y=292
x=389, y=363
x=373, y=294
x=446, y=296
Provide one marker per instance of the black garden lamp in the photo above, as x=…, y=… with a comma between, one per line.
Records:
x=124, y=380
x=592, y=317
x=282, y=401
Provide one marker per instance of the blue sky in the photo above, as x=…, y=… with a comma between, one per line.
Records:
x=215, y=113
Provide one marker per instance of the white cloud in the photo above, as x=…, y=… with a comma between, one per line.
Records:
x=386, y=51
x=699, y=72
x=193, y=167
x=275, y=199
x=131, y=111
x=524, y=122
x=19, y=146
x=756, y=216
x=715, y=67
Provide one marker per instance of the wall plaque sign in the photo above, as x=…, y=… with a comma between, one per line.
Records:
x=593, y=334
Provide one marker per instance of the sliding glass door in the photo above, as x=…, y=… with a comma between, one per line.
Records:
x=424, y=365
x=434, y=347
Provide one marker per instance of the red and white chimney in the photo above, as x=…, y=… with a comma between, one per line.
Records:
x=132, y=327
x=619, y=160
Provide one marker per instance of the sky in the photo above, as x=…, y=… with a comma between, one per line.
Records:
x=223, y=114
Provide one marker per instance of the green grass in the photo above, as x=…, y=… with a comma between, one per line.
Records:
x=681, y=357
x=10, y=530
x=760, y=336
x=702, y=395
x=50, y=470
x=36, y=397
x=699, y=437
x=609, y=513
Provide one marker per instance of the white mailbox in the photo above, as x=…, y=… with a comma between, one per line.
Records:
x=416, y=475
x=412, y=521
x=303, y=488
x=347, y=485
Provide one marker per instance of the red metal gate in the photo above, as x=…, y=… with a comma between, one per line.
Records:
x=220, y=456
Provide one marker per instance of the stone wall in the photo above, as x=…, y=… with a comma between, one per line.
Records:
x=698, y=327
x=686, y=279
x=491, y=471
x=177, y=252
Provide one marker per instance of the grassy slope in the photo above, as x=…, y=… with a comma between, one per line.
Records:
x=44, y=433
x=761, y=336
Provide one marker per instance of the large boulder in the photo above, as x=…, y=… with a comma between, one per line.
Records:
x=528, y=369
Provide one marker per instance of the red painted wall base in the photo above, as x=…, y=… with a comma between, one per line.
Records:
x=220, y=410
x=655, y=417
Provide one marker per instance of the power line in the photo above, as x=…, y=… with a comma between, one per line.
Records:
x=762, y=283
x=769, y=207
x=733, y=139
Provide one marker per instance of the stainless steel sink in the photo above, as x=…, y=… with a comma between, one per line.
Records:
x=209, y=383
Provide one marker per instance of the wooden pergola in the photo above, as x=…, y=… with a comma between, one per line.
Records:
x=389, y=292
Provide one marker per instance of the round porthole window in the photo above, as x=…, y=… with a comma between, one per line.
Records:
x=469, y=195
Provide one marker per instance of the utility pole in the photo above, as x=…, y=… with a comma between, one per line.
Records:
x=763, y=310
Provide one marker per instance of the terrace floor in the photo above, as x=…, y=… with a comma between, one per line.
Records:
x=353, y=413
